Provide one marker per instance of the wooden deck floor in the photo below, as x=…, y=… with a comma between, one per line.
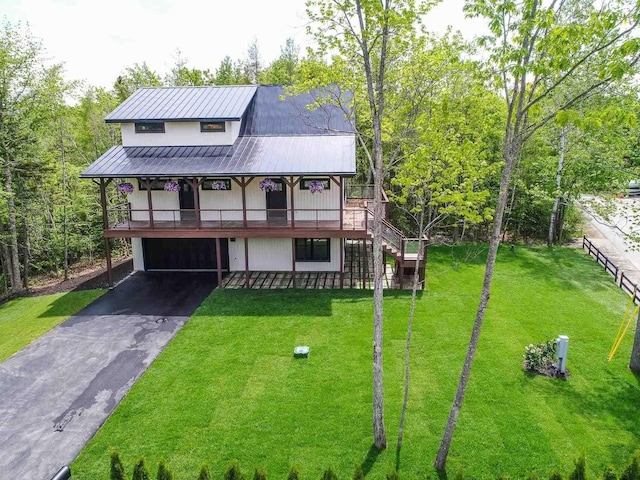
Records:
x=358, y=273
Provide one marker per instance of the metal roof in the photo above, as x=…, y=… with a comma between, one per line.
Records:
x=272, y=112
x=184, y=104
x=249, y=156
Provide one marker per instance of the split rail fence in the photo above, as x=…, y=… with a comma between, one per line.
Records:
x=621, y=279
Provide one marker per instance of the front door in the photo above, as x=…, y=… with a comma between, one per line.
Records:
x=277, y=202
x=187, y=201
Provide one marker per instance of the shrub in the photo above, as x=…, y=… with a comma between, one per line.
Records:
x=260, y=474
x=117, y=469
x=609, y=474
x=579, y=470
x=632, y=472
x=233, y=472
x=539, y=358
x=329, y=474
x=294, y=474
x=204, y=472
x=358, y=474
x=555, y=476
x=140, y=471
x=393, y=475
x=163, y=473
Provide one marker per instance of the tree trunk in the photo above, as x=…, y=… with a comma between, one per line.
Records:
x=16, y=282
x=65, y=235
x=511, y=152
x=26, y=247
x=6, y=270
x=558, y=195
x=634, y=363
x=407, y=348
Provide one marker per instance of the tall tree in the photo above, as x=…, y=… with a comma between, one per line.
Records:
x=536, y=47
x=253, y=63
x=283, y=69
x=134, y=77
x=369, y=35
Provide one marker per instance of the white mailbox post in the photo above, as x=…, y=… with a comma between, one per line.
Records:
x=563, y=345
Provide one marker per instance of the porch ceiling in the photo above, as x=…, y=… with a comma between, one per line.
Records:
x=249, y=156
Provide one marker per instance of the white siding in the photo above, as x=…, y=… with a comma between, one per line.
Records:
x=273, y=254
x=161, y=200
x=328, y=200
x=138, y=254
x=178, y=134
x=216, y=200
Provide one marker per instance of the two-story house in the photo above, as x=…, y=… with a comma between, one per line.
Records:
x=234, y=179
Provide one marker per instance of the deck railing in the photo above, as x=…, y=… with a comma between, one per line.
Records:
x=122, y=217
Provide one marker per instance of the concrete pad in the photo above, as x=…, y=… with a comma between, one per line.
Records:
x=57, y=392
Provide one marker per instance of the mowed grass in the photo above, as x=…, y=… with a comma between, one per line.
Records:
x=24, y=319
x=228, y=387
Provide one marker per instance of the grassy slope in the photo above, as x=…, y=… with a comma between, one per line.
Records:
x=24, y=319
x=227, y=386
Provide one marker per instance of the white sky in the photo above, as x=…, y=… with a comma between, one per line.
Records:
x=96, y=40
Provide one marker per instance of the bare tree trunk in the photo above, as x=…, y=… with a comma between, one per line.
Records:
x=556, y=201
x=634, y=363
x=65, y=261
x=412, y=311
x=16, y=282
x=6, y=270
x=512, y=149
x=26, y=247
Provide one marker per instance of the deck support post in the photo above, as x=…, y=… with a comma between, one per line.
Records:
x=243, y=185
x=147, y=185
x=293, y=215
x=219, y=262
x=402, y=264
x=195, y=186
x=364, y=263
x=341, y=185
x=105, y=224
x=293, y=261
x=342, y=245
x=246, y=262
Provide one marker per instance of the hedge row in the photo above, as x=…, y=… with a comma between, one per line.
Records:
x=140, y=472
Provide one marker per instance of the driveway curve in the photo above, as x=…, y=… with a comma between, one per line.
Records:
x=57, y=392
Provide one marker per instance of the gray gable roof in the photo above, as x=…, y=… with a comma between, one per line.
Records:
x=184, y=104
x=274, y=113
x=250, y=156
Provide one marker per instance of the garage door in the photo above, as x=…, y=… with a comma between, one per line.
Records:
x=184, y=253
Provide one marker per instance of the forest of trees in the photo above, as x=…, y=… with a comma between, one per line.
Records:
x=442, y=134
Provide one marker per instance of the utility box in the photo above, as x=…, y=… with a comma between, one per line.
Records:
x=301, y=351
x=562, y=343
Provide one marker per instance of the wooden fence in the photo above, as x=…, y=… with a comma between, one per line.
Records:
x=622, y=280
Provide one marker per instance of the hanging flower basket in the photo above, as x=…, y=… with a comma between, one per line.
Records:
x=125, y=188
x=267, y=185
x=171, y=186
x=316, y=186
x=219, y=185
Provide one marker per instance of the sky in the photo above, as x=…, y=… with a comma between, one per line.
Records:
x=97, y=40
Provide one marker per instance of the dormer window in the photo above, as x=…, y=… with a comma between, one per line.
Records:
x=212, y=127
x=149, y=127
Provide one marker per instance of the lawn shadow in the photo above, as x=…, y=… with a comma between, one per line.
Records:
x=370, y=460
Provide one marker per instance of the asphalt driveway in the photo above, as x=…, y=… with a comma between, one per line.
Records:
x=55, y=393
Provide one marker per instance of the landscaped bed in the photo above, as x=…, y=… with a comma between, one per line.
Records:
x=24, y=319
x=229, y=387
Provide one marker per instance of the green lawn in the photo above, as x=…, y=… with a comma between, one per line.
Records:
x=24, y=319
x=227, y=386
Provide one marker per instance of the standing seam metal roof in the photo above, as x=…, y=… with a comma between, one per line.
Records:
x=184, y=103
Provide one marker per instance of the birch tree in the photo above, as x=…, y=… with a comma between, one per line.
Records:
x=536, y=46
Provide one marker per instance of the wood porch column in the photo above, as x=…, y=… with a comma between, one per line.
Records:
x=246, y=262
x=342, y=244
x=293, y=261
x=243, y=185
x=105, y=224
x=340, y=185
x=195, y=186
x=293, y=208
x=219, y=262
x=147, y=186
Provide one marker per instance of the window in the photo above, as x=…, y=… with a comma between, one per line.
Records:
x=304, y=183
x=312, y=250
x=217, y=184
x=212, y=127
x=157, y=184
x=150, y=127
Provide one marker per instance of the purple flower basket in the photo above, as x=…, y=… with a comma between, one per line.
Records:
x=171, y=186
x=316, y=186
x=125, y=188
x=219, y=185
x=267, y=184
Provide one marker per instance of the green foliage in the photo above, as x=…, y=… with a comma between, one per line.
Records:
x=233, y=472
x=632, y=472
x=538, y=358
x=393, y=475
x=204, y=472
x=329, y=474
x=532, y=476
x=163, y=472
x=140, y=471
x=294, y=474
x=609, y=474
x=579, y=471
x=555, y=476
x=459, y=474
x=117, y=469
x=260, y=474
x=358, y=474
